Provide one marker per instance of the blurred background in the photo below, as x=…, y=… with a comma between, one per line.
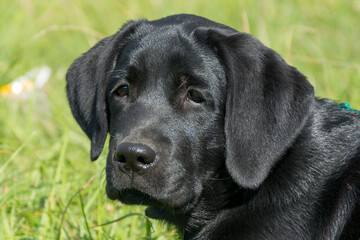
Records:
x=49, y=189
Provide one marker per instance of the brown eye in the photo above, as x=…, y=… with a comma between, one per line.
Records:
x=123, y=91
x=195, y=96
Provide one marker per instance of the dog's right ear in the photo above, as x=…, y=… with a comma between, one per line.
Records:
x=86, y=86
x=267, y=105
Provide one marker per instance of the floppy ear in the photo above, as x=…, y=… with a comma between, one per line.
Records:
x=86, y=86
x=267, y=104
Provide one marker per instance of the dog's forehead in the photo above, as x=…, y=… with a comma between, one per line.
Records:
x=169, y=42
x=168, y=49
x=163, y=34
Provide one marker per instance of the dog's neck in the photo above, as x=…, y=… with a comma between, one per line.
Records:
x=221, y=193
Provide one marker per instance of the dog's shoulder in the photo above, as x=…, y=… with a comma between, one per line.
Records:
x=332, y=137
x=336, y=123
x=335, y=129
x=336, y=115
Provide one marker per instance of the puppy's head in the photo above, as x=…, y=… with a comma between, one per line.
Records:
x=181, y=98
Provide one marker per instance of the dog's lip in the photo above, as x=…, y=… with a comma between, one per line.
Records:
x=111, y=192
x=131, y=196
x=160, y=212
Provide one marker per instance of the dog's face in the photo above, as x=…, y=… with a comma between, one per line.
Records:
x=184, y=98
x=166, y=107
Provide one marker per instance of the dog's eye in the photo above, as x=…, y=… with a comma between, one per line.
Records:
x=195, y=96
x=123, y=91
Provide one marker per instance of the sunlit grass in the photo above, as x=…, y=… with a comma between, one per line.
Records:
x=49, y=189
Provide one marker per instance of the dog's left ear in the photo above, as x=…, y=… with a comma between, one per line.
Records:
x=267, y=103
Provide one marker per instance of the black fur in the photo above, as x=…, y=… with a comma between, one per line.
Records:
x=259, y=157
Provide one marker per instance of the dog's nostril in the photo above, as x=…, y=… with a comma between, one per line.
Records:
x=134, y=155
x=121, y=159
x=141, y=160
x=145, y=160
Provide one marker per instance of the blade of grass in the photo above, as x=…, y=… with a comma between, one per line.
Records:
x=68, y=204
x=60, y=175
x=6, y=229
x=121, y=218
x=148, y=228
x=100, y=207
x=16, y=152
x=84, y=216
x=90, y=202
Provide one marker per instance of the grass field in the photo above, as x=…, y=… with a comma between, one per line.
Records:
x=49, y=189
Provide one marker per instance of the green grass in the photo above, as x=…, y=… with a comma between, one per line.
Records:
x=49, y=189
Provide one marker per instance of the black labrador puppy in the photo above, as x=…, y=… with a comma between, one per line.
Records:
x=216, y=134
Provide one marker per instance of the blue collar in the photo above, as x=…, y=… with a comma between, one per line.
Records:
x=347, y=107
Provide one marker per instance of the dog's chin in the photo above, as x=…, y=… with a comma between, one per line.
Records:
x=155, y=208
x=156, y=213
x=131, y=196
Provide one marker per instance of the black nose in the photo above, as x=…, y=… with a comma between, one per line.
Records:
x=134, y=156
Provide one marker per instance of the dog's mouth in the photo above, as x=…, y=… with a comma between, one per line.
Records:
x=156, y=209
x=131, y=196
